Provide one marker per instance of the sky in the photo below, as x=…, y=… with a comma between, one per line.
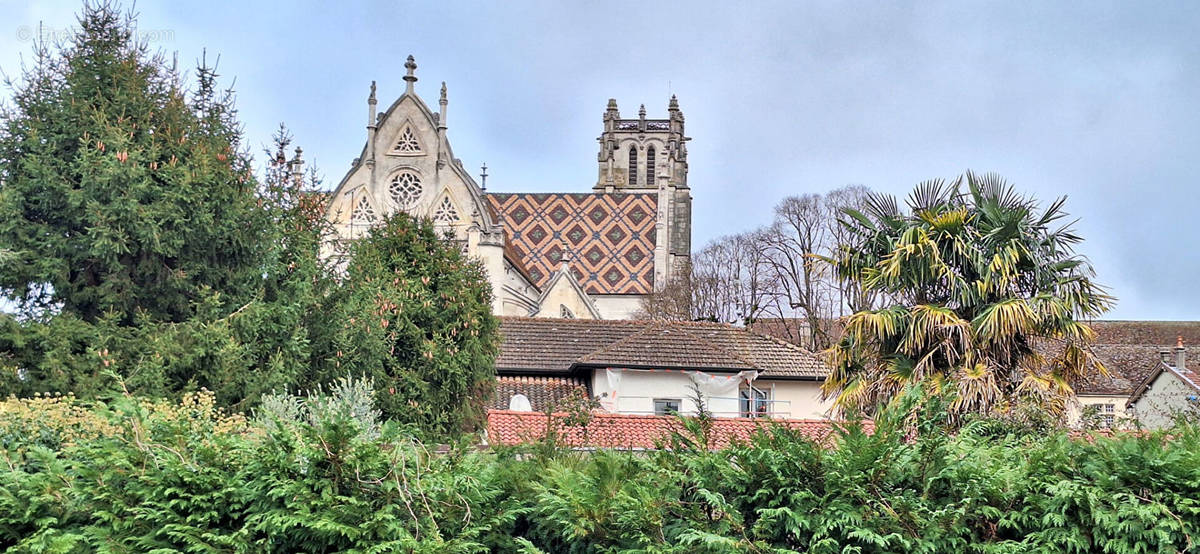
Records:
x=1096, y=101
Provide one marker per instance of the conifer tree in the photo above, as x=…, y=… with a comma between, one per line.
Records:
x=416, y=317
x=122, y=192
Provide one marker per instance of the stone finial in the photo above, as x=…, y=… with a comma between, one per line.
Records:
x=611, y=111
x=371, y=98
x=410, y=78
x=642, y=112
x=673, y=105
x=442, y=101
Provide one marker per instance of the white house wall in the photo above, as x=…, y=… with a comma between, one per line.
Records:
x=1166, y=396
x=634, y=391
x=796, y=399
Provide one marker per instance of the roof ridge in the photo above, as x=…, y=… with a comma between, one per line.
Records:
x=734, y=355
x=785, y=343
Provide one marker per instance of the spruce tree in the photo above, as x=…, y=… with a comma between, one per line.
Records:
x=415, y=316
x=121, y=191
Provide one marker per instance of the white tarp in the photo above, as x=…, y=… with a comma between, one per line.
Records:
x=720, y=386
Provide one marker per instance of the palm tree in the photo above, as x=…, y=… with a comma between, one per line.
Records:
x=976, y=279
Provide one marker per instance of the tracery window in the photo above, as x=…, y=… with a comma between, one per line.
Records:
x=405, y=189
x=363, y=211
x=650, y=167
x=408, y=141
x=445, y=212
x=633, y=173
x=565, y=312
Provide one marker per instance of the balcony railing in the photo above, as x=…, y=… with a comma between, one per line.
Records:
x=774, y=408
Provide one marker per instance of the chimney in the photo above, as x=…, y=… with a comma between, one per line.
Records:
x=1180, y=354
x=1164, y=356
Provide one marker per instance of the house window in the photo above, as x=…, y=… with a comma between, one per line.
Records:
x=1107, y=415
x=650, y=167
x=666, y=406
x=754, y=402
x=633, y=176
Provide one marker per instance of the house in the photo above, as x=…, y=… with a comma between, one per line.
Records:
x=1129, y=350
x=1171, y=389
x=656, y=368
x=580, y=254
x=1132, y=352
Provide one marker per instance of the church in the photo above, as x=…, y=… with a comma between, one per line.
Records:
x=577, y=254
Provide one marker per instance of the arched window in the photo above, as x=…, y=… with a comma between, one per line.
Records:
x=650, y=167
x=633, y=176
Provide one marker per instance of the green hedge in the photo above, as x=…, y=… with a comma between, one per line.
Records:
x=323, y=474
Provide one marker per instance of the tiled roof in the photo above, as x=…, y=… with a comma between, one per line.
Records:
x=553, y=344
x=516, y=257
x=1187, y=375
x=543, y=392
x=1146, y=333
x=559, y=345
x=1128, y=349
x=607, y=239
x=1130, y=352
x=665, y=342
x=635, y=432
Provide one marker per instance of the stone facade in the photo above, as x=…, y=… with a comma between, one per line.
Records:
x=582, y=255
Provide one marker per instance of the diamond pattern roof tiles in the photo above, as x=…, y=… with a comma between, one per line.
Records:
x=607, y=239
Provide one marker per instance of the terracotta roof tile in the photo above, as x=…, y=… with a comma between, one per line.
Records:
x=559, y=345
x=543, y=392
x=635, y=432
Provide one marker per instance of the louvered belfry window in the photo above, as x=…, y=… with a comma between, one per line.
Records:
x=633, y=172
x=650, y=167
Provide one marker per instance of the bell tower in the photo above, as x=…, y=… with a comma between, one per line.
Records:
x=649, y=156
x=642, y=155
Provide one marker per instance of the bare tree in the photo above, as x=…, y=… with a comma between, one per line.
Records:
x=778, y=273
x=852, y=297
x=729, y=281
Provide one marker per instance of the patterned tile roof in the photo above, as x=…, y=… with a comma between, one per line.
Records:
x=607, y=239
x=559, y=345
x=637, y=432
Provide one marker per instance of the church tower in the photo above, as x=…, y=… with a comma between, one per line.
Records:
x=650, y=156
